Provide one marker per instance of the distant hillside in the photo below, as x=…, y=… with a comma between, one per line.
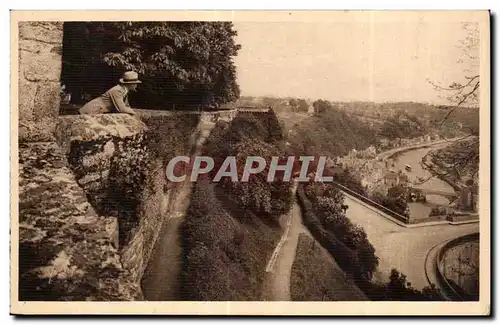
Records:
x=373, y=115
x=333, y=133
x=432, y=115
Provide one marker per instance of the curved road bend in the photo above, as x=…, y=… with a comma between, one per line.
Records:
x=402, y=248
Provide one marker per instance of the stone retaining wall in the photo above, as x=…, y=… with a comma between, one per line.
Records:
x=40, y=52
x=67, y=251
x=111, y=161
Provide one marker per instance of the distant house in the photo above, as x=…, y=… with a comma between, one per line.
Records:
x=310, y=109
x=391, y=178
x=337, y=169
x=403, y=179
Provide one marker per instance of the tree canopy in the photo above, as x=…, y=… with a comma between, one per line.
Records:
x=402, y=125
x=181, y=64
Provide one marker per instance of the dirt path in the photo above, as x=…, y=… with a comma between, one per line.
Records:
x=160, y=281
x=279, y=267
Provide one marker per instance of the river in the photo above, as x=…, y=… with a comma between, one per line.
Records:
x=414, y=159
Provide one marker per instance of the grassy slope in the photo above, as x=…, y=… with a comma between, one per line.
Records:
x=225, y=250
x=225, y=247
x=316, y=277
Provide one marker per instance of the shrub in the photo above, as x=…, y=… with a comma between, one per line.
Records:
x=347, y=243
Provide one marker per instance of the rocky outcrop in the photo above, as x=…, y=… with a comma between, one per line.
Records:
x=40, y=50
x=66, y=250
x=109, y=157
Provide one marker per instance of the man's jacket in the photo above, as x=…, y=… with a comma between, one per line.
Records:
x=115, y=100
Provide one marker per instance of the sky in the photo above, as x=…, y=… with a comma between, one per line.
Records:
x=349, y=61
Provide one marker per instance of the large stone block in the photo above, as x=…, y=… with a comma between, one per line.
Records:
x=43, y=66
x=40, y=130
x=45, y=31
x=46, y=103
x=27, y=93
x=66, y=251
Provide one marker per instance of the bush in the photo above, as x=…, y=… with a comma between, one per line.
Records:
x=348, y=244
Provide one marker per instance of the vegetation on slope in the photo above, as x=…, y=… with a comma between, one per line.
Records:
x=332, y=133
x=459, y=161
x=316, y=278
x=231, y=228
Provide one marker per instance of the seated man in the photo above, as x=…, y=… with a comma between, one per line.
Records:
x=115, y=100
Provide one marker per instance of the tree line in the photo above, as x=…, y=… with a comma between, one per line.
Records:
x=182, y=64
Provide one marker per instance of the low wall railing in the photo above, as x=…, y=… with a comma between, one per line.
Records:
x=450, y=289
x=376, y=205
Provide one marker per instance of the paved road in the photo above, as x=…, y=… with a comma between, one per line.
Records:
x=402, y=248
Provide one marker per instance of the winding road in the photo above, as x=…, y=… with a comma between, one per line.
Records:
x=399, y=247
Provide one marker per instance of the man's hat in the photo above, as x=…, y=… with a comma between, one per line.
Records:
x=130, y=77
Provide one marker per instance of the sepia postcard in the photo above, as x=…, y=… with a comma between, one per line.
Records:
x=250, y=162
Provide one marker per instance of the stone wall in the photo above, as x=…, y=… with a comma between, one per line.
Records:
x=92, y=203
x=110, y=160
x=40, y=61
x=67, y=251
x=119, y=162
